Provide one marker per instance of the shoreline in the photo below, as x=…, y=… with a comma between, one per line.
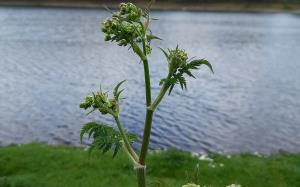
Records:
x=166, y=6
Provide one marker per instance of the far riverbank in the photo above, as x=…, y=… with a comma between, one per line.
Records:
x=244, y=7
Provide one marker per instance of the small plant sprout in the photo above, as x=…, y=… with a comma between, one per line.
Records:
x=130, y=27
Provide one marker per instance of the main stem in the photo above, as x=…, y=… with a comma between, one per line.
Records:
x=147, y=129
x=141, y=172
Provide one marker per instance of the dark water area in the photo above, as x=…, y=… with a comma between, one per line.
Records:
x=52, y=58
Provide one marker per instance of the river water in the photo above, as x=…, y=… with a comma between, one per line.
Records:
x=52, y=58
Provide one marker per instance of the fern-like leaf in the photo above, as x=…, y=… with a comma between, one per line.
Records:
x=182, y=82
x=116, y=149
x=87, y=128
x=104, y=137
x=194, y=64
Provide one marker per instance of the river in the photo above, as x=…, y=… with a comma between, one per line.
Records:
x=52, y=57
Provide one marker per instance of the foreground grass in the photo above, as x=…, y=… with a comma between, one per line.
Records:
x=40, y=165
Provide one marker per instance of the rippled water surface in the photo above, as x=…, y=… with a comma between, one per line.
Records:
x=52, y=58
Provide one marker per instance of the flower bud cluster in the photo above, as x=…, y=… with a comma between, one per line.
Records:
x=177, y=58
x=122, y=27
x=130, y=11
x=100, y=101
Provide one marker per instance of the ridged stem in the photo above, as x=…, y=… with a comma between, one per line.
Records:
x=141, y=174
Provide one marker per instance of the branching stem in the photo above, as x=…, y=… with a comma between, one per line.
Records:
x=160, y=96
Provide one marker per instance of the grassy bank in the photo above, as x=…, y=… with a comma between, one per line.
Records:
x=250, y=6
x=39, y=165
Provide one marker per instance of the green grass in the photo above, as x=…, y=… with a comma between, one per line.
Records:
x=40, y=165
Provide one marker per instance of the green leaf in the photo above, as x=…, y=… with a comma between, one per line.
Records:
x=195, y=63
x=107, y=147
x=118, y=94
x=116, y=149
x=189, y=73
x=152, y=37
x=165, y=53
x=116, y=90
x=104, y=137
x=171, y=88
x=86, y=128
x=91, y=132
x=182, y=82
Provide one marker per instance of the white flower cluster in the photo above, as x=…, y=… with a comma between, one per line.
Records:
x=191, y=185
x=234, y=185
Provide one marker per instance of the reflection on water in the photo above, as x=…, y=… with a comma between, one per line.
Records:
x=52, y=58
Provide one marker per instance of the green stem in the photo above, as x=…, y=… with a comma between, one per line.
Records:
x=126, y=141
x=146, y=137
x=149, y=116
x=160, y=96
x=148, y=121
x=141, y=174
x=147, y=82
x=133, y=160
